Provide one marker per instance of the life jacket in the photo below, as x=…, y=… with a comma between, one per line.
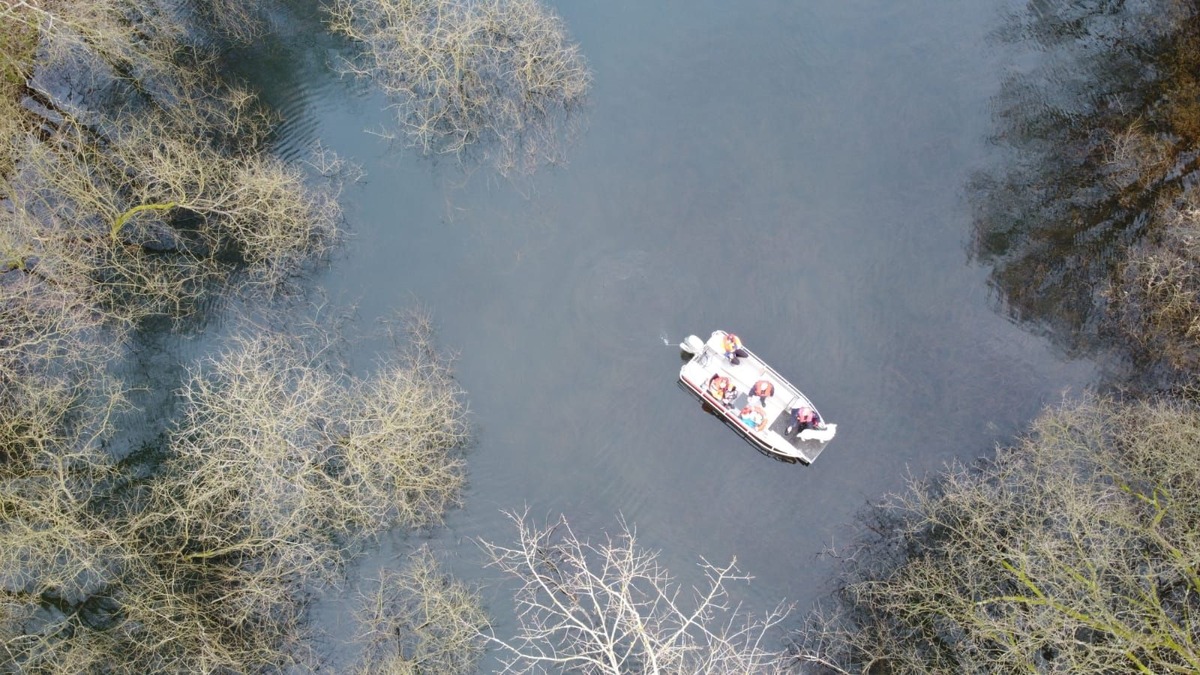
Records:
x=805, y=415
x=718, y=386
x=753, y=416
x=732, y=343
x=764, y=388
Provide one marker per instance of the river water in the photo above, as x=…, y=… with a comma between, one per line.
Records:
x=792, y=171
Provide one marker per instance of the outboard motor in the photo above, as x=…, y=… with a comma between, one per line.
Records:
x=692, y=345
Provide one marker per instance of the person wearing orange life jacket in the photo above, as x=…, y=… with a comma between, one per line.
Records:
x=753, y=417
x=732, y=346
x=722, y=389
x=762, y=389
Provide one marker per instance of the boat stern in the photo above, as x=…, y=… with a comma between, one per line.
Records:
x=692, y=345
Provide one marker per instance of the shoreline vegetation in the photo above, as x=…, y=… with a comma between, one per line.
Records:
x=134, y=184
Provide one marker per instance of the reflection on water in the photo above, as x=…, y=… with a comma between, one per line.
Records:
x=1091, y=164
x=791, y=171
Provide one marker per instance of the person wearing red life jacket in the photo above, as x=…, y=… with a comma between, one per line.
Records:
x=722, y=389
x=803, y=418
x=732, y=346
x=753, y=417
x=762, y=389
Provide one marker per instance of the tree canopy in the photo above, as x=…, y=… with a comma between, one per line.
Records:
x=1075, y=551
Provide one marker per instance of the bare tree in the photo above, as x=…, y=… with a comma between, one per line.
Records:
x=130, y=180
x=1075, y=552
x=145, y=214
x=282, y=466
x=136, y=39
x=56, y=550
x=328, y=454
x=1156, y=293
x=499, y=77
x=419, y=620
x=134, y=174
x=612, y=608
x=52, y=340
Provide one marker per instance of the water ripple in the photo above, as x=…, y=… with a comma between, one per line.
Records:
x=612, y=294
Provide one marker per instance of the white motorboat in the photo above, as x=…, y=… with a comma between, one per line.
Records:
x=775, y=429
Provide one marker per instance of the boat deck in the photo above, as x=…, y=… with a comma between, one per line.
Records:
x=697, y=372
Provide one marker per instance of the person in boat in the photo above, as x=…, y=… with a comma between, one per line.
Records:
x=803, y=418
x=763, y=389
x=753, y=417
x=734, y=351
x=722, y=389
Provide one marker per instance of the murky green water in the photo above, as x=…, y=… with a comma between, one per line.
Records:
x=793, y=171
